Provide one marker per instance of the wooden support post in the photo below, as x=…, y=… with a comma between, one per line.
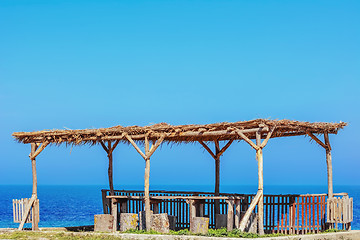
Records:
x=34, y=202
x=217, y=169
x=148, y=152
x=327, y=147
x=230, y=215
x=216, y=156
x=192, y=211
x=237, y=213
x=109, y=150
x=147, y=186
x=114, y=212
x=35, y=210
x=259, y=157
x=110, y=170
x=259, y=198
x=329, y=166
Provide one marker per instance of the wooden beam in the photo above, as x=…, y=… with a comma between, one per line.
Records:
x=248, y=212
x=317, y=140
x=268, y=136
x=115, y=145
x=135, y=146
x=38, y=151
x=141, y=137
x=207, y=149
x=246, y=139
x=104, y=147
x=329, y=166
x=156, y=145
x=27, y=211
x=225, y=148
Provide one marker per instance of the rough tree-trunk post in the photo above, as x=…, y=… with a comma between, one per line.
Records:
x=147, y=186
x=329, y=166
x=327, y=148
x=109, y=150
x=216, y=156
x=259, y=157
x=33, y=203
x=35, y=210
x=148, y=152
x=217, y=178
x=110, y=170
x=259, y=197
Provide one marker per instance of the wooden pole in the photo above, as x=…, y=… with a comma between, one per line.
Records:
x=35, y=220
x=147, y=186
x=217, y=168
x=329, y=165
x=259, y=157
x=110, y=169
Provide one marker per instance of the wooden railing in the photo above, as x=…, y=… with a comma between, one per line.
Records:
x=290, y=214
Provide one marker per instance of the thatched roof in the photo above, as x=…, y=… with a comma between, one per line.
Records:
x=180, y=133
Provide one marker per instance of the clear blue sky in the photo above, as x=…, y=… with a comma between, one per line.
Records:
x=90, y=64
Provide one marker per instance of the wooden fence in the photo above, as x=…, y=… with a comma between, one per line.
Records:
x=19, y=206
x=290, y=214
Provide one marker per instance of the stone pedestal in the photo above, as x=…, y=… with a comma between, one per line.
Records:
x=128, y=221
x=252, y=224
x=199, y=225
x=221, y=221
x=160, y=223
x=103, y=222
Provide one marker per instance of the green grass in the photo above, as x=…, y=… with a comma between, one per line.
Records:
x=211, y=233
x=105, y=236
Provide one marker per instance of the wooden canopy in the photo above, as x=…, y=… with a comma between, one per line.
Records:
x=180, y=133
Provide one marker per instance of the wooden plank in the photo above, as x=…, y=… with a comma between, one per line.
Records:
x=27, y=212
x=248, y=212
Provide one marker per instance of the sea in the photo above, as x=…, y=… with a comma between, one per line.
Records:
x=65, y=206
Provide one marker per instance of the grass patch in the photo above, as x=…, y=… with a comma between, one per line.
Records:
x=211, y=233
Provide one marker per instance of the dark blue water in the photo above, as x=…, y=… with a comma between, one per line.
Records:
x=76, y=205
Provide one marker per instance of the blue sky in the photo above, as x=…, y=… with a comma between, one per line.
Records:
x=90, y=64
